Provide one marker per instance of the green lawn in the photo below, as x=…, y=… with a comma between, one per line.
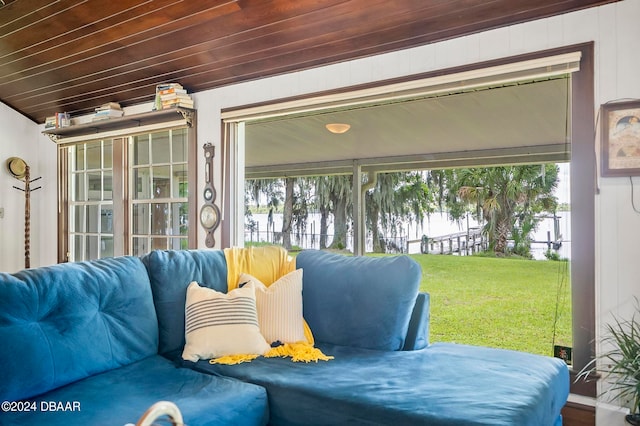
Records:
x=498, y=302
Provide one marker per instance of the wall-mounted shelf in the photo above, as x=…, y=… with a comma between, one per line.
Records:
x=124, y=122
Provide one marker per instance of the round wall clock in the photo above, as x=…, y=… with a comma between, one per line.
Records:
x=209, y=216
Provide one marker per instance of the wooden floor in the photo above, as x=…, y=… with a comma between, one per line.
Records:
x=578, y=415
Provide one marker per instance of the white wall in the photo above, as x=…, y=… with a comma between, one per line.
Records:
x=613, y=28
x=22, y=138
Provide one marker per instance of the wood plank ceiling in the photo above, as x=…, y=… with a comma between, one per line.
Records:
x=73, y=55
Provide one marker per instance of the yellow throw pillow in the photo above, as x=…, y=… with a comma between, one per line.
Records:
x=279, y=307
x=219, y=324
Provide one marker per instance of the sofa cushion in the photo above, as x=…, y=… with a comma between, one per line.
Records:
x=444, y=384
x=62, y=323
x=279, y=307
x=363, y=302
x=418, y=332
x=219, y=324
x=171, y=272
x=122, y=395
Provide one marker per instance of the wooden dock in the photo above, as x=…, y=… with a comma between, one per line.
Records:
x=467, y=243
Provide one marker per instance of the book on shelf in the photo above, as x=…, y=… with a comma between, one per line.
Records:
x=177, y=104
x=106, y=114
x=109, y=106
x=57, y=121
x=108, y=110
x=171, y=95
x=172, y=91
x=50, y=122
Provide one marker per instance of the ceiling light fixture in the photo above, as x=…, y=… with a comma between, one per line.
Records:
x=338, y=127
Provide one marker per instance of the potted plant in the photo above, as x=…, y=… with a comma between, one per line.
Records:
x=620, y=366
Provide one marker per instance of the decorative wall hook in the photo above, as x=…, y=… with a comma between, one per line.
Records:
x=19, y=169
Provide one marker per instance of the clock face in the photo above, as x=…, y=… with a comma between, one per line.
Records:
x=209, y=217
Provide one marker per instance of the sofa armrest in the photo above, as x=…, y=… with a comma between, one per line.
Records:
x=418, y=332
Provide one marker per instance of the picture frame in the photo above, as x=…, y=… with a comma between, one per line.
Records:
x=620, y=139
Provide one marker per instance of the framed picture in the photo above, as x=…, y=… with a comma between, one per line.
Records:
x=621, y=139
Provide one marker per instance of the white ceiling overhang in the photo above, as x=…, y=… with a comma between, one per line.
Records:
x=510, y=113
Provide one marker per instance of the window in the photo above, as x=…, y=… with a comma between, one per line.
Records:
x=128, y=195
x=580, y=122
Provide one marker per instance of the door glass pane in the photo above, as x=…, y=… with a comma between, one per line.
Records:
x=158, y=243
x=180, y=184
x=161, y=182
x=107, y=154
x=176, y=243
x=94, y=155
x=140, y=246
x=160, y=148
x=142, y=183
x=140, y=150
x=107, y=185
x=78, y=186
x=160, y=219
x=78, y=249
x=180, y=218
x=95, y=186
x=140, y=219
x=179, y=145
x=106, y=216
x=77, y=219
x=93, y=219
x=79, y=158
x=106, y=247
x=92, y=248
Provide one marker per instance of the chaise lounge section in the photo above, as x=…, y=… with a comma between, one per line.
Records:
x=369, y=315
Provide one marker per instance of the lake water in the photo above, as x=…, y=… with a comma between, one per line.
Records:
x=434, y=226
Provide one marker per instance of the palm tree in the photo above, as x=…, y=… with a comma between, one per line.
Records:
x=507, y=198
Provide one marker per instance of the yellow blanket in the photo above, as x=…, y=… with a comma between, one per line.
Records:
x=268, y=264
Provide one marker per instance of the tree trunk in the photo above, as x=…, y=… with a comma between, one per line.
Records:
x=324, y=226
x=375, y=232
x=340, y=223
x=502, y=232
x=287, y=214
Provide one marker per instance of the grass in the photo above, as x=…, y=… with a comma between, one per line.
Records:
x=499, y=302
x=509, y=303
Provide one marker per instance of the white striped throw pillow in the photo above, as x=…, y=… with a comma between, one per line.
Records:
x=279, y=307
x=219, y=324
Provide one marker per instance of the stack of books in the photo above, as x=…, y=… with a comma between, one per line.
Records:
x=61, y=119
x=172, y=95
x=107, y=111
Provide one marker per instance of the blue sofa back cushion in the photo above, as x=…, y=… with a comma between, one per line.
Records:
x=62, y=323
x=170, y=272
x=363, y=302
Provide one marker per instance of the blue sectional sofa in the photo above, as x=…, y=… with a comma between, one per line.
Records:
x=108, y=336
